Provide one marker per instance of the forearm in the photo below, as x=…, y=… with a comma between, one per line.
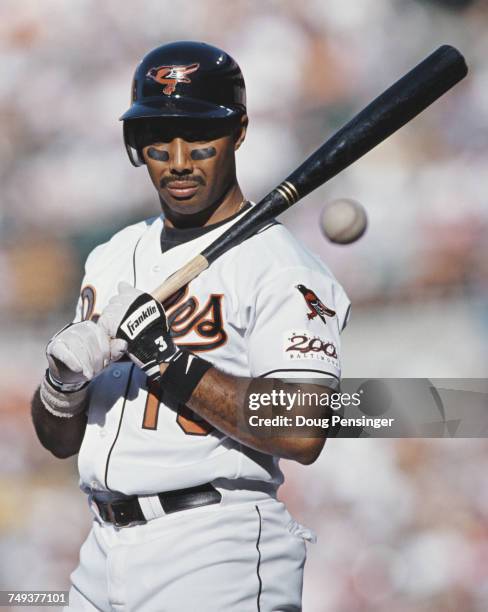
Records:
x=60, y=435
x=75, y=355
x=221, y=400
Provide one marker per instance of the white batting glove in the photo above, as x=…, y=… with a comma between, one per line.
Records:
x=78, y=353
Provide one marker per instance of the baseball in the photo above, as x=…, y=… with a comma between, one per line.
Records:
x=343, y=221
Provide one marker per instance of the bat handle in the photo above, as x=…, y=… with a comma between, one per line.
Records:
x=180, y=278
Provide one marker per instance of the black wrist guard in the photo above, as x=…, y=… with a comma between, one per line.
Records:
x=183, y=374
x=145, y=329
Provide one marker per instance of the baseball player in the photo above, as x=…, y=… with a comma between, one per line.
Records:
x=151, y=397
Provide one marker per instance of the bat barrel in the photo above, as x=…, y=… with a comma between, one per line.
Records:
x=395, y=107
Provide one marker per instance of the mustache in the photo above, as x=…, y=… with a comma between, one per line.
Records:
x=190, y=178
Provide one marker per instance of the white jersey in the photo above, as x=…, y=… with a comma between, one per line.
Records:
x=266, y=308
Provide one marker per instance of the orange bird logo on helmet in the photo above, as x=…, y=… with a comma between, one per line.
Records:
x=170, y=76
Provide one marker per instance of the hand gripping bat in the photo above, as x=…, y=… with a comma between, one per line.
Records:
x=391, y=110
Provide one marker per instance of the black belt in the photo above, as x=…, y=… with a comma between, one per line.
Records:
x=122, y=512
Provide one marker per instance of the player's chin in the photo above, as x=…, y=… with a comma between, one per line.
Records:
x=188, y=205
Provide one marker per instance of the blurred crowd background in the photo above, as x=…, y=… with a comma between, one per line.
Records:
x=402, y=524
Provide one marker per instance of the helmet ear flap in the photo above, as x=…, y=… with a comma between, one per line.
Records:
x=135, y=156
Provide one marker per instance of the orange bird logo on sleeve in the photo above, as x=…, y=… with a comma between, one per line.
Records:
x=315, y=305
x=170, y=76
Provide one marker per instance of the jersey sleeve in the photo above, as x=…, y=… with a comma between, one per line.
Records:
x=83, y=306
x=118, y=249
x=299, y=316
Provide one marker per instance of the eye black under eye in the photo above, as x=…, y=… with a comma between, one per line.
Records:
x=203, y=153
x=157, y=154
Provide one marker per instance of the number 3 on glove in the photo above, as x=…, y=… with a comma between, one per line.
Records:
x=162, y=344
x=141, y=327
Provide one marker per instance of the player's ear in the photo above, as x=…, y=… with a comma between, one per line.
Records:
x=240, y=132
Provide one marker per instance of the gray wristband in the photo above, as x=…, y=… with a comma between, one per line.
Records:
x=61, y=403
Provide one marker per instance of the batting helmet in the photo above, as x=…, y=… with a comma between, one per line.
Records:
x=183, y=80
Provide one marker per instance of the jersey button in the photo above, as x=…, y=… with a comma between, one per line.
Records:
x=103, y=433
x=156, y=268
x=116, y=373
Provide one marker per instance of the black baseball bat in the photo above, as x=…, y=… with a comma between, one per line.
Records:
x=395, y=107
